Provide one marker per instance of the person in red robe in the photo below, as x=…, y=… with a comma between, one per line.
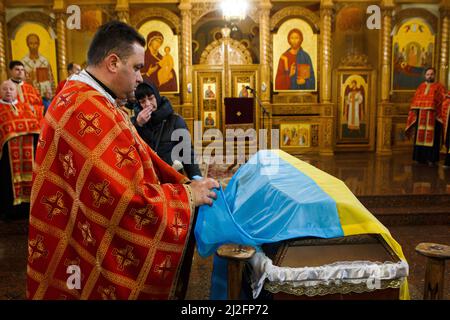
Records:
x=72, y=68
x=26, y=93
x=446, y=123
x=104, y=206
x=19, y=130
x=425, y=119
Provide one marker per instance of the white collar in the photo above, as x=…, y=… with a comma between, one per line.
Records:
x=6, y=102
x=84, y=77
x=16, y=83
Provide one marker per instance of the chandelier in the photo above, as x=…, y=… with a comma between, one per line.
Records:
x=234, y=9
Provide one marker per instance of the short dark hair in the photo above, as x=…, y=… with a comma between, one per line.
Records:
x=70, y=66
x=430, y=68
x=14, y=63
x=143, y=90
x=113, y=37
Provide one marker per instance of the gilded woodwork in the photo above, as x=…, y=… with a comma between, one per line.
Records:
x=384, y=129
x=186, y=53
x=253, y=13
x=265, y=49
x=355, y=60
x=123, y=15
x=29, y=16
x=123, y=11
x=200, y=9
x=140, y=16
x=61, y=50
x=242, y=73
x=285, y=107
x=280, y=16
x=279, y=123
x=326, y=145
x=203, y=75
x=426, y=15
x=386, y=49
x=366, y=143
x=3, y=68
x=444, y=45
x=295, y=98
x=226, y=59
x=213, y=53
x=326, y=56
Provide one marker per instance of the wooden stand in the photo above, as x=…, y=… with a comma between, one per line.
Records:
x=236, y=255
x=435, y=271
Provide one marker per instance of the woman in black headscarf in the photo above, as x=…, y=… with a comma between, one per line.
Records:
x=155, y=121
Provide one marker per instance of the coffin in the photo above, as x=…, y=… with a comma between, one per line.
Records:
x=351, y=267
x=317, y=239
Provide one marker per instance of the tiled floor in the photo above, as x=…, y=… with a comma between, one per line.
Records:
x=13, y=262
x=407, y=236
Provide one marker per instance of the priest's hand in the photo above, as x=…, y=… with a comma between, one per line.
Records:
x=202, y=190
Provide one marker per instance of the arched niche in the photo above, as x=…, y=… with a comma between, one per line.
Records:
x=295, y=12
x=238, y=53
x=141, y=16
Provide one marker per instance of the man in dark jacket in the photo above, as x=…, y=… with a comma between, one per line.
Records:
x=155, y=121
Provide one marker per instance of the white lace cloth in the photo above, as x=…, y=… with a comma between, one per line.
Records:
x=354, y=272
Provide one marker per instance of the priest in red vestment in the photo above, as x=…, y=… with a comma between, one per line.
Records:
x=425, y=119
x=26, y=93
x=19, y=130
x=446, y=122
x=109, y=219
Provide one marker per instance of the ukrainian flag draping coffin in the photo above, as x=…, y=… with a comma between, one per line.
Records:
x=276, y=197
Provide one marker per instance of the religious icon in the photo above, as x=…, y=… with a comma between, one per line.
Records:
x=161, y=56
x=210, y=119
x=295, y=68
x=242, y=91
x=209, y=90
x=353, y=107
x=413, y=51
x=34, y=46
x=38, y=69
x=295, y=134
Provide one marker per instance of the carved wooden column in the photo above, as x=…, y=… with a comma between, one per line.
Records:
x=186, y=51
x=226, y=61
x=445, y=25
x=3, y=70
x=61, y=46
x=265, y=53
x=384, y=116
x=386, y=49
x=326, y=13
x=265, y=49
x=123, y=11
x=327, y=120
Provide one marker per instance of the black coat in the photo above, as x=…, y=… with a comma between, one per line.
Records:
x=158, y=132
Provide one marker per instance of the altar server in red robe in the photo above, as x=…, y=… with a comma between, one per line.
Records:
x=425, y=119
x=446, y=122
x=26, y=93
x=19, y=130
